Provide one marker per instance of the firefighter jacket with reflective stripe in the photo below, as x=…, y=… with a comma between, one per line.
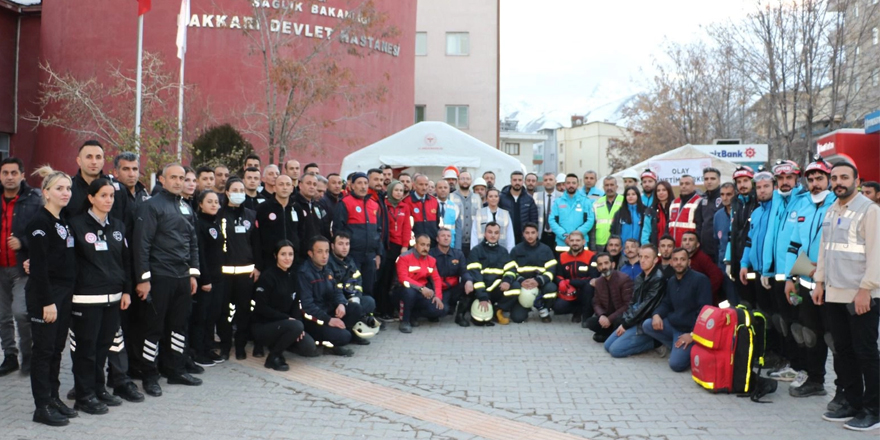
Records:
x=165, y=241
x=489, y=265
x=604, y=218
x=571, y=212
x=452, y=266
x=275, y=223
x=577, y=269
x=359, y=218
x=102, y=259
x=807, y=233
x=415, y=271
x=241, y=243
x=424, y=214
x=683, y=216
x=399, y=226
x=318, y=293
x=536, y=262
x=346, y=274
x=779, y=232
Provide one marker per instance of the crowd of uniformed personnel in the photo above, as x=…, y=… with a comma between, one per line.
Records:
x=170, y=281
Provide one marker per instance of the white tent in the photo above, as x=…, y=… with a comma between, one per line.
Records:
x=429, y=147
x=670, y=165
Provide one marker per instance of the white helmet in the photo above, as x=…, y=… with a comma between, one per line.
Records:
x=560, y=178
x=479, y=181
x=479, y=315
x=527, y=297
x=364, y=331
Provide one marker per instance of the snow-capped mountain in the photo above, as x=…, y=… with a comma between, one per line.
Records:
x=597, y=107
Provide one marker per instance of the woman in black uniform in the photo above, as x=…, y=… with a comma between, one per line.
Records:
x=103, y=288
x=48, y=293
x=206, y=304
x=240, y=245
x=275, y=305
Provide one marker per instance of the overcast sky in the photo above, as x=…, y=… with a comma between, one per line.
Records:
x=555, y=53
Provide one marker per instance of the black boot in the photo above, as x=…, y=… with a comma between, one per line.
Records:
x=50, y=416
x=276, y=362
x=63, y=409
x=91, y=406
x=460, y=310
x=10, y=364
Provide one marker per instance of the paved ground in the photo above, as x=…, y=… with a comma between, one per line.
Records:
x=531, y=380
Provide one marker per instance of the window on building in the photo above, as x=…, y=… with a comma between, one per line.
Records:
x=4, y=145
x=420, y=114
x=580, y=163
x=458, y=43
x=421, y=44
x=511, y=148
x=457, y=116
x=561, y=149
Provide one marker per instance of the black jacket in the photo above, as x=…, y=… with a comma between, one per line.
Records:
x=53, y=262
x=311, y=216
x=488, y=264
x=648, y=291
x=253, y=203
x=276, y=223
x=452, y=266
x=29, y=203
x=528, y=210
x=79, y=198
x=740, y=222
x=346, y=274
x=210, y=249
x=318, y=293
x=241, y=243
x=165, y=241
x=536, y=262
x=708, y=206
x=275, y=296
x=329, y=202
x=102, y=256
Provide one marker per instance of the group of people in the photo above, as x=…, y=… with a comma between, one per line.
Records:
x=169, y=281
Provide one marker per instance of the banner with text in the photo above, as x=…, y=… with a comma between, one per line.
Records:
x=672, y=170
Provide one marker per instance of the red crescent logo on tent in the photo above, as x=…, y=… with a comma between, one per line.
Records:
x=430, y=139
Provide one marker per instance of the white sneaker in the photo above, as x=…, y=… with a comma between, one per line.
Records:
x=800, y=379
x=785, y=375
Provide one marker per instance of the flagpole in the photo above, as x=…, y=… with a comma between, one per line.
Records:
x=182, y=21
x=180, y=112
x=140, y=65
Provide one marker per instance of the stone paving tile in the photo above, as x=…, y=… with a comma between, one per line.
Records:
x=548, y=375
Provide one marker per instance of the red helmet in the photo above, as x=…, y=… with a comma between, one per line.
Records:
x=786, y=167
x=818, y=165
x=744, y=171
x=650, y=174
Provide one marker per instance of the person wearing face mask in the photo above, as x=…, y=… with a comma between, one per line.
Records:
x=492, y=213
x=808, y=328
x=240, y=244
x=277, y=220
x=206, y=302
x=786, y=200
x=629, y=220
x=613, y=292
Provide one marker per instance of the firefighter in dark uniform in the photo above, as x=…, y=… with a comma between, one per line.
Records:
x=240, y=244
x=327, y=315
x=277, y=220
x=206, y=302
x=276, y=320
x=452, y=265
x=577, y=267
x=103, y=287
x=493, y=274
x=166, y=265
x=535, y=267
x=48, y=295
x=310, y=213
x=348, y=278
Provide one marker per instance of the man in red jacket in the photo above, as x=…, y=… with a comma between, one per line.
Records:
x=420, y=289
x=613, y=292
x=702, y=263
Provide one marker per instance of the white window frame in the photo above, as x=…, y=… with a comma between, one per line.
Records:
x=509, y=147
x=456, y=120
x=464, y=45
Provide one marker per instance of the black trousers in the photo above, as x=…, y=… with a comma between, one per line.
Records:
x=92, y=333
x=166, y=320
x=366, y=263
x=519, y=314
x=414, y=305
x=786, y=311
x=593, y=324
x=582, y=304
x=281, y=335
x=855, y=342
x=451, y=297
x=814, y=350
x=767, y=306
x=387, y=276
x=238, y=291
x=205, y=313
x=118, y=358
x=49, y=340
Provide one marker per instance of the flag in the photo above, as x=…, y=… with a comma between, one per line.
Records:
x=144, y=6
x=182, y=21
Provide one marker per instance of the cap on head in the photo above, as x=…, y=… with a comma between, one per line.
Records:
x=357, y=176
x=650, y=174
x=744, y=171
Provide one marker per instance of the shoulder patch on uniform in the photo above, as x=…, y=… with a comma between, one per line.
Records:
x=38, y=232
x=801, y=219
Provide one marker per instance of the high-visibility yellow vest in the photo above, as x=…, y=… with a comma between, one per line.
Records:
x=604, y=217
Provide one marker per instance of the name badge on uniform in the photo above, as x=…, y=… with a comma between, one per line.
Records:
x=70, y=241
x=293, y=215
x=100, y=246
x=184, y=209
x=240, y=229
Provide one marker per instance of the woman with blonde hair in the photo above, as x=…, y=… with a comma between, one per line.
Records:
x=48, y=295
